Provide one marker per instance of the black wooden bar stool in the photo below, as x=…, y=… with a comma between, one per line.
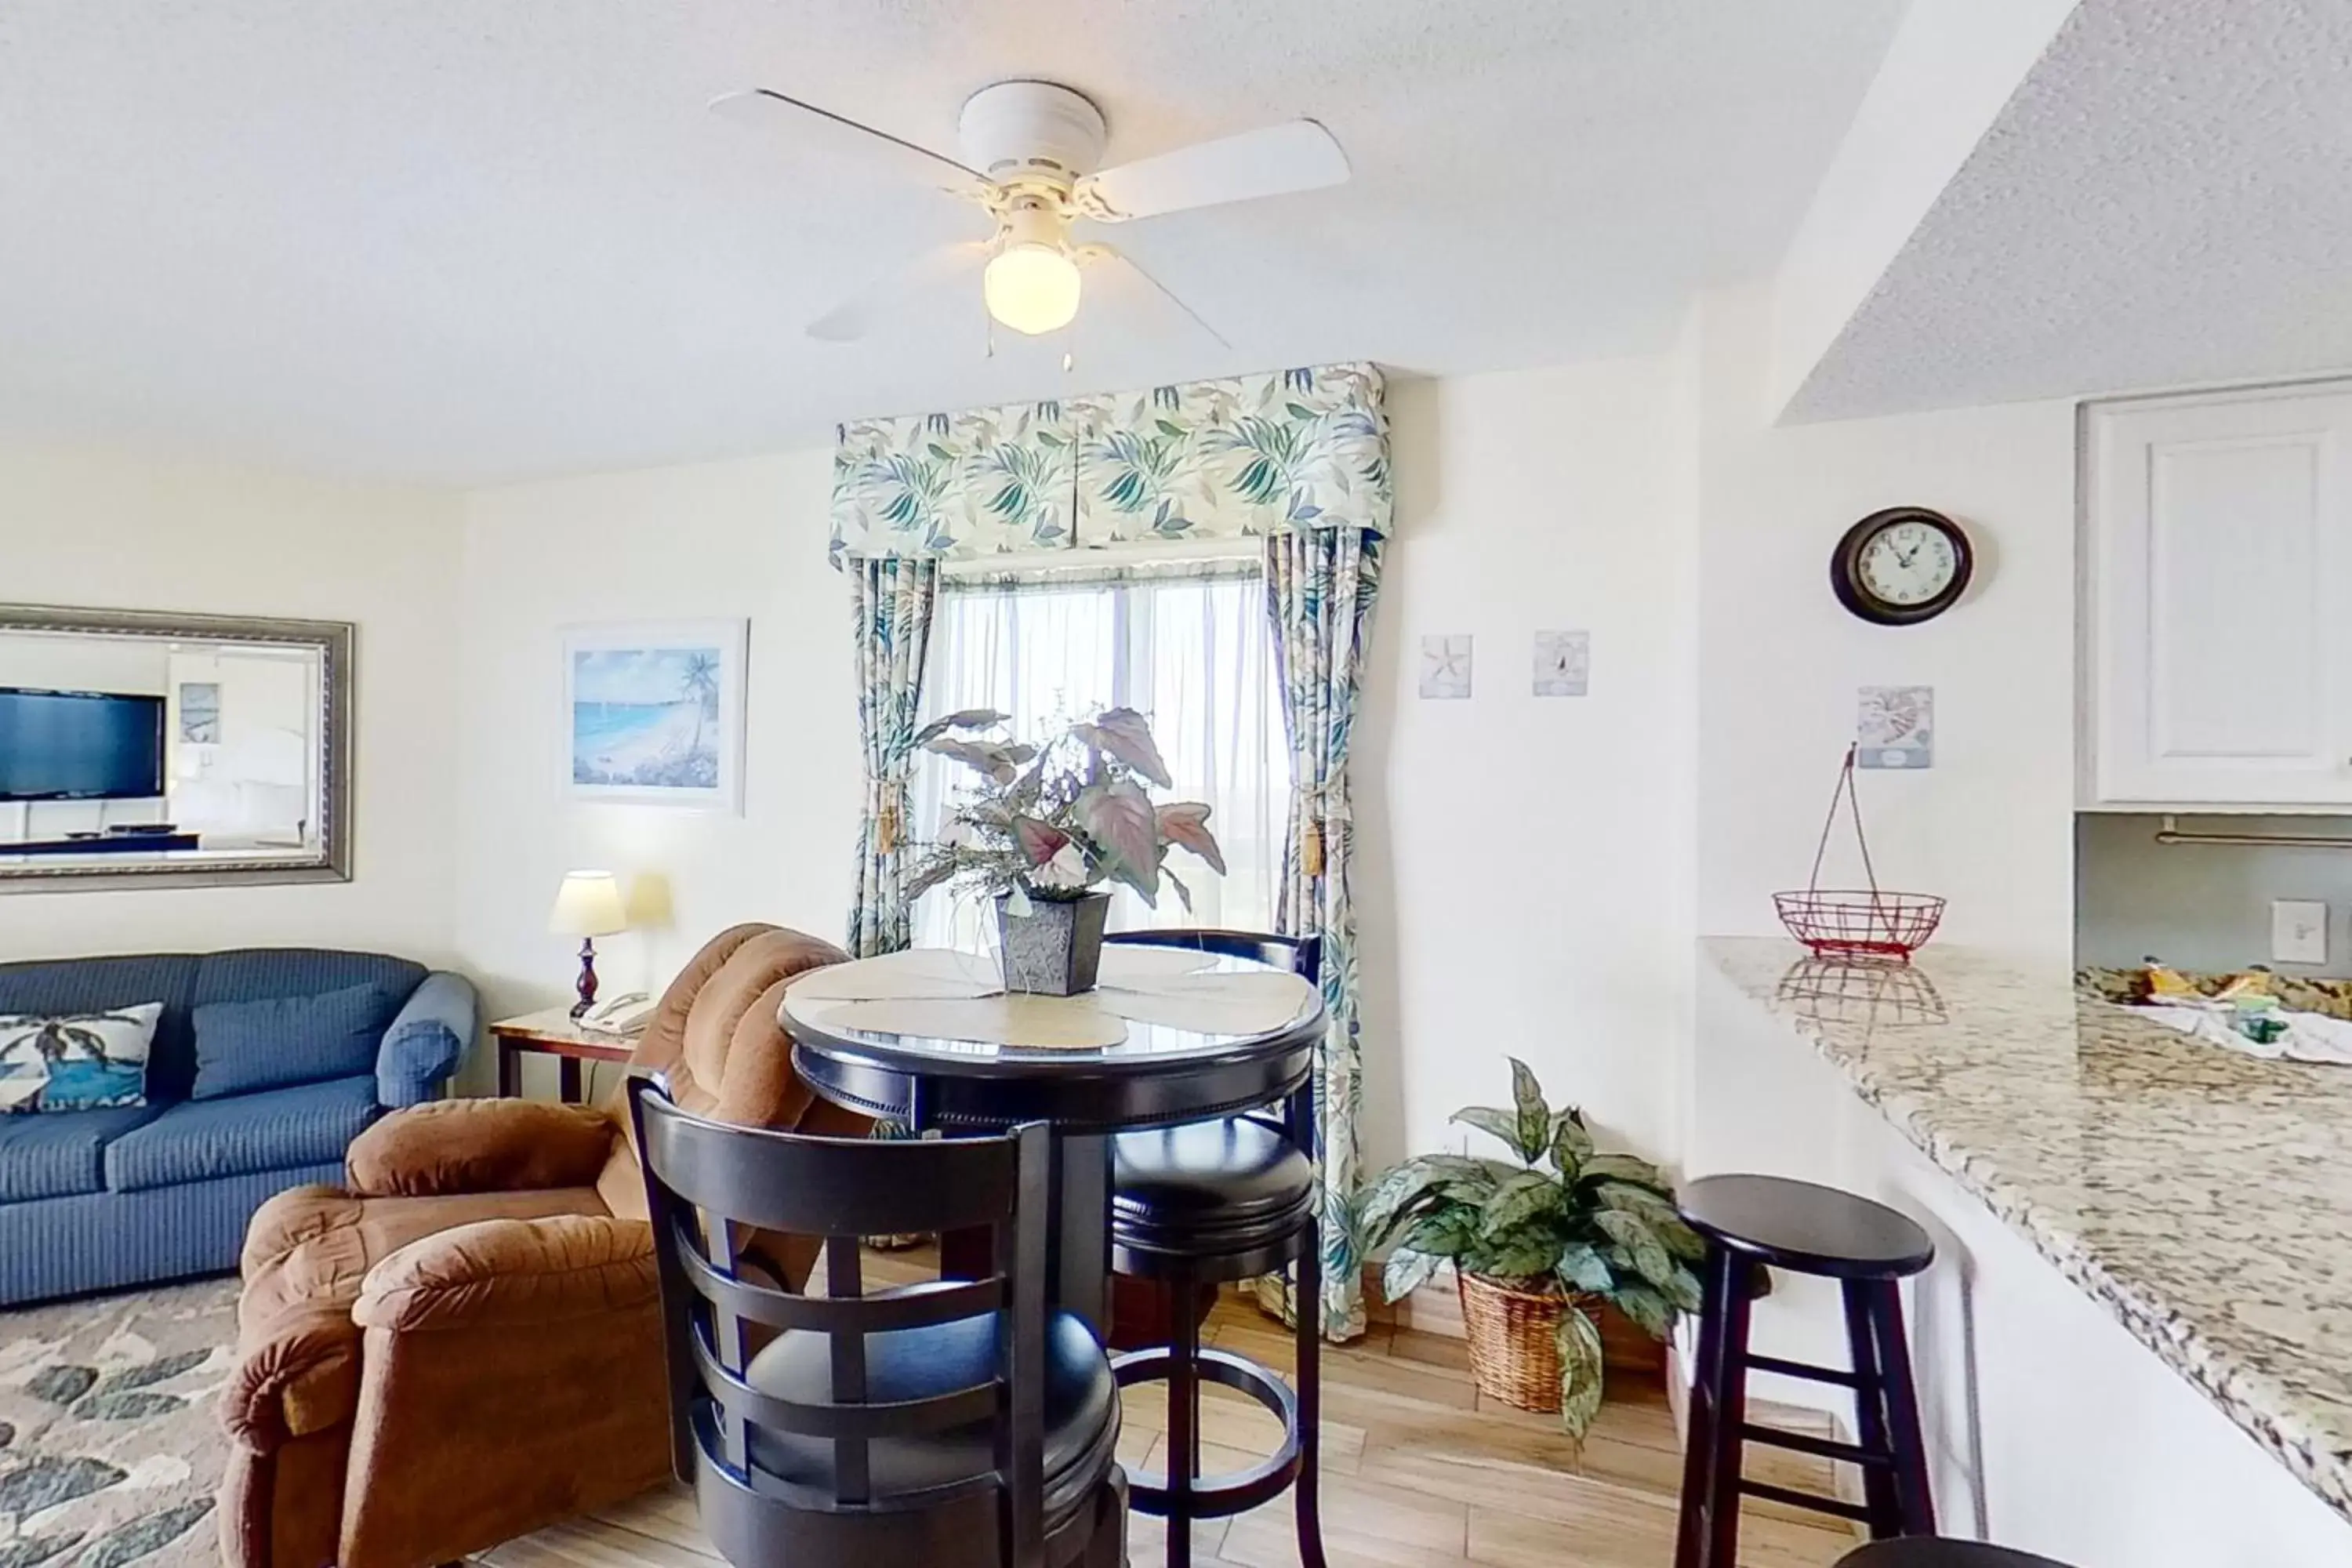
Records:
x=1935, y=1551
x=1771, y=1221
x=1209, y=1204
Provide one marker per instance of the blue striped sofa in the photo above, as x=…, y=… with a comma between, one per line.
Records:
x=96, y=1200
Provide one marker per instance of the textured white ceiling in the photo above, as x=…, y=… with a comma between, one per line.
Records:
x=2165, y=200
x=469, y=240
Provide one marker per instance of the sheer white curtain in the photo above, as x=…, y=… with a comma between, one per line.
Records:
x=1194, y=655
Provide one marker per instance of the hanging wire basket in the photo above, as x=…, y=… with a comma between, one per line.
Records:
x=1857, y=923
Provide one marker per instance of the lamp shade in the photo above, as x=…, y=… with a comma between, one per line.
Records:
x=588, y=904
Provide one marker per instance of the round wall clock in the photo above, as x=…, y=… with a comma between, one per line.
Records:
x=1900, y=566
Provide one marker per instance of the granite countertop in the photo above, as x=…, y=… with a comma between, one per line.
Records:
x=2202, y=1197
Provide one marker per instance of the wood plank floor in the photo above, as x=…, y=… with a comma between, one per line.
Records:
x=1419, y=1472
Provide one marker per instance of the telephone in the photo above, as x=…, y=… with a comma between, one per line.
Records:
x=628, y=1014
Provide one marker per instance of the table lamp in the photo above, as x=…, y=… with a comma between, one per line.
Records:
x=588, y=906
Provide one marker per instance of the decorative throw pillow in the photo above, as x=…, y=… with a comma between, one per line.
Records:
x=75, y=1061
x=277, y=1042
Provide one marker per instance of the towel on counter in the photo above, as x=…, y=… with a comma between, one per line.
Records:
x=2309, y=1037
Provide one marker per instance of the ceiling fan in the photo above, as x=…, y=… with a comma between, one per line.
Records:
x=1029, y=155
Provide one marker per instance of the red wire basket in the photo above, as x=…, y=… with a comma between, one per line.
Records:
x=1857, y=923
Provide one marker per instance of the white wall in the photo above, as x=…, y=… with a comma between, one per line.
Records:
x=1990, y=825
x=729, y=540
x=1524, y=862
x=63, y=663
x=100, y=528
x=258, y=778
x=1652, y=503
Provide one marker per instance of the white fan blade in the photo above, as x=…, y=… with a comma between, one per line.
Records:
x=854, y=317
x=844, y=137
x=1297, y=156
x=1130, y=285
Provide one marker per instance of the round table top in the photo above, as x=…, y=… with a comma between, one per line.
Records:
x=1169, y=1034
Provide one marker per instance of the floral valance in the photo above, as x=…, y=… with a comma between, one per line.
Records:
x=1245, y=456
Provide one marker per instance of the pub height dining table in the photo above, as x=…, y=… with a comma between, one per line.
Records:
x=930, y=1038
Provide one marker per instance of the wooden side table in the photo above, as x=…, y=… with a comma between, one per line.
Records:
x=552, y=1032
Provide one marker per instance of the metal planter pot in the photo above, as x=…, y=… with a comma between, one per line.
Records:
x=1055, y=950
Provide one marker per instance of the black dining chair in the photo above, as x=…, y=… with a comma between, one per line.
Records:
x=1210, y=1202
x=930, y=1425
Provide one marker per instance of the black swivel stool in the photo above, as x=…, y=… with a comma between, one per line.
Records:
x=1769, y=1221
x=1932, y=1551
x=1203, y=1204
x=958, y=1424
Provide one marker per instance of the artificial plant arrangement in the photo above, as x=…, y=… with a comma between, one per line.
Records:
x=1534, y=1248
x=1046, y=826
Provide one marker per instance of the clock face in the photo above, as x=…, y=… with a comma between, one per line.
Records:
x=1900, y=566
x=1907, y=564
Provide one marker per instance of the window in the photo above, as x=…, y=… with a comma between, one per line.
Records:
x=1194, y=655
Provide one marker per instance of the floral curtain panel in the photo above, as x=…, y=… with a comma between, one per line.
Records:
x=891, y=599
x=1233, y=458
x=1320, y=585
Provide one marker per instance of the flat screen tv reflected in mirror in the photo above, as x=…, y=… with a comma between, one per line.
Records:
x=80, y=745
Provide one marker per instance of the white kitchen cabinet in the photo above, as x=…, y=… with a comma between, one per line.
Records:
x=2217, y=600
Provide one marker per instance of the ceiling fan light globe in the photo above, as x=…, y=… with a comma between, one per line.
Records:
x=1032, y=288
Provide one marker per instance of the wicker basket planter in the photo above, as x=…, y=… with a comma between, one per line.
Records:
x=1528, y=1242
x=1513, y=1353
x=1514, y=1356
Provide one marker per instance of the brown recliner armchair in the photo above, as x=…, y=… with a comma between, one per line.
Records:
x=464, y=1344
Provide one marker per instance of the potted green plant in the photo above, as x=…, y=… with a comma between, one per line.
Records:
x=1537, y=1243
x=1046, y=826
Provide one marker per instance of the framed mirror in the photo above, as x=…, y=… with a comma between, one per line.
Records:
x=145, y=747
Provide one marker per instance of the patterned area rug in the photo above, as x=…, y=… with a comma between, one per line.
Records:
x=109, y=1450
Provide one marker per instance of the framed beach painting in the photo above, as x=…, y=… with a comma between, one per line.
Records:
x=652, y=714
